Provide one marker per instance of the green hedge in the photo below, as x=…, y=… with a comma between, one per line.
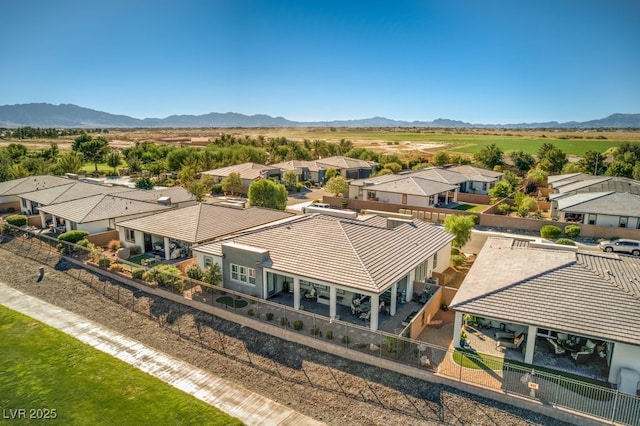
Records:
x=73, y=236
x=572, y=231
x=550, y=232
x=16, y=220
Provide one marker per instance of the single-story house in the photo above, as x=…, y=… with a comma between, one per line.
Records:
x=348, y=168
x=172, y=233
x=98, y=213
x=175, y=196
x=412, y=191
x=249, y=173
x=479, y=181
x=9, y=190
x=336, y=259
x=619, y=209
x=552, y=291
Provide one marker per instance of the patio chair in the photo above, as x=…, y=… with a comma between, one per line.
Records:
x=581, y=356
x=311, y=294
x=555, y=347
x=511, y=345
x=365, y=316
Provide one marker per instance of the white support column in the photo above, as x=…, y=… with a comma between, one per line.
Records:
x=412, y=278
x=264, y=284
x=375, y=305
x=531, y=344
x=167, y=251
x=332, y=302
x=296, y=293
x=54, y=220
x=394, y=299
x=43, y=219
x=457, y=327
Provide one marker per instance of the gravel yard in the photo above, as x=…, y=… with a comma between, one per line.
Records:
x=320, y=385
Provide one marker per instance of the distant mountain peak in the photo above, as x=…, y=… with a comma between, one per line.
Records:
x=70, y=115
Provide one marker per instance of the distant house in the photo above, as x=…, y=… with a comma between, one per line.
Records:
x=315, y=170
x=338, y=259
x=98, y=213
x=411, y=191
x=10, y=190
x=478, y=180
x=249, y=173
x=556, y=292
x=191, y=225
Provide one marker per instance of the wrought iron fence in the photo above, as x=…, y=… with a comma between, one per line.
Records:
x=602, y=402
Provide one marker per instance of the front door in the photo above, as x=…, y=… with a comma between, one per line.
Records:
x=147, y=242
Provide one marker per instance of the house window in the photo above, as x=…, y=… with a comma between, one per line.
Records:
x=431, y=199
x=243, y=274
x=130, y=235
x=593, y=219
x=371, y=195
x=435, y=260
x=484, y=186
x=404, y=198
x=24, y=203
x=623, y=221
x=208, y=261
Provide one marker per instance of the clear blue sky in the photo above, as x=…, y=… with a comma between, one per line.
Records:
x=481, y=61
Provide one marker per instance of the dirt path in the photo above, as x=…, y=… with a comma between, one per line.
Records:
x=325, y=387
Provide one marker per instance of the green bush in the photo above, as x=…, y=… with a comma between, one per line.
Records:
x=457, y=259
x=269, y=316
x=297, y=325
x=194, y=272
x=134, y=250
x=329, y=335
x=284, y=322
x=345, y=340
x=299, y=187
x=504, y=208
x=572, y=231
x=315, y=331
x=165, y=276
x=565, y=242
x=216, y=188
x=104, y=262
x=550, y=232
x=16, y=220
x=116, y=267
x=250, y=312
x=137, y=273
x=86, y=244
x=73, y=236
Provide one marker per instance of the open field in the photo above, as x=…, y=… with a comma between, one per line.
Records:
x=405, y=142
x=57, y=376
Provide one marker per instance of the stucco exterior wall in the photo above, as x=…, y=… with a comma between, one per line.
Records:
x=624, y=355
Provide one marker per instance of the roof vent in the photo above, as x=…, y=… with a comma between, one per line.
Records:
x=164, y=201
x=393, y=222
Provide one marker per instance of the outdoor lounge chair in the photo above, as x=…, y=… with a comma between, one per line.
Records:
x=365, y=316
x=508, y=334
x=511, y=345
x=555, y=347
x=311, y=294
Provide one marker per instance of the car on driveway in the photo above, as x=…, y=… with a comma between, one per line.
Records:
x=622, y=246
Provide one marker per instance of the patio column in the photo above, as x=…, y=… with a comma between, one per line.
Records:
x=54, y=220
x=296, y=293
x=394, y=299
x=332, y=302
x=375, y=306
x=43, y=219
x=531, y=344
x=167, y=251
x=412, y=278
x=457, y=326
x=455, y=195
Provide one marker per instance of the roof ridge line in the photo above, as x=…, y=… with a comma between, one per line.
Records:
x=364, y=267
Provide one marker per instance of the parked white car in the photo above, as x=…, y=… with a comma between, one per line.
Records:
x=622, y=246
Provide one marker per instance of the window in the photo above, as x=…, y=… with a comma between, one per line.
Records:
x=243, y=274
x=484, y=186
x=593, y=219
x=431, y=199
x=208, y=261
x=130, y=235
x=404, y=198
x=623, y=221
x=24, y=203
x=435, y=260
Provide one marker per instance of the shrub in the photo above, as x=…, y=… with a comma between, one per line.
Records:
x=166, y=276
x=550, y=232
x=345, y=340
x=137, y=273
x=269, y=316
x=194, y=272
x=250, y=312
x=116, y=267
x=73, y=236
x=284, y=322
x=565, y=242
x=216, y=188
x=135, y=250
x=114, y=245
x=297, y=325
x=504, y=208
x=16, y=220
x=104, y=262
x=299, y=187
x=329, y=335
x=315, y=331
x=572, y=231
x=457, y=259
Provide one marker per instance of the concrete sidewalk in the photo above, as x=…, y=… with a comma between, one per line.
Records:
x=249, y=407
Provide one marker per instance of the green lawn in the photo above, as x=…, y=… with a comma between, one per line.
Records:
x=43, y=368
x=470, y=207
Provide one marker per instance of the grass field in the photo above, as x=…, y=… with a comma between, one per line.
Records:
x=45, y=369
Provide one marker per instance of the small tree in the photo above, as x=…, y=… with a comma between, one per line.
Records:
x=572, y=231
x=337, y=185
x=194, y=272
x=212, y=275
x=290, y=179
x=93, y=149
x=113, y=160
x=331, y=172
x=198, y=190
x=232, y=183
x=441, y=158
x=461, y=227
x=267, y=193
x=144, y=183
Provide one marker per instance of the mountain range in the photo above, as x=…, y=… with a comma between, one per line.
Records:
x=46, y=115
